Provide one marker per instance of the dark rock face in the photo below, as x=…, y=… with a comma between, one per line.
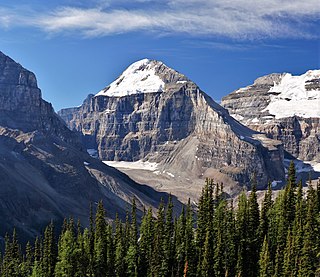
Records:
x=45, y=173
x=180, y=127
x=298, y=133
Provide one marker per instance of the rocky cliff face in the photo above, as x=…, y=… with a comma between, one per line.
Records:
x=45, y=173
x=154, y=113
x=284, y=107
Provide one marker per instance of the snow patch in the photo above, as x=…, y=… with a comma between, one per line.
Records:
x=170, y=174
x=255, y=120
x=315, y=165
x=86, y=163
x=274, y=183
x=140, y=77
x=145, y=165
x=294, y=99
x=237, y=117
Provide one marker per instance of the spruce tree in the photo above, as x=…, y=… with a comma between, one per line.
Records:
x=190, y=251
x=66, y=260
x=265, y=262
x=120, y=266
x=309, y=249
x=207, y=268
x=49, y=252
x=158, y=253
x=100, y=243
x=147, y=233
x=132, y=257
x=242, y=236
x=253, y=233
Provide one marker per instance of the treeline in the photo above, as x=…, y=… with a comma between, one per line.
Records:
x=281, y=239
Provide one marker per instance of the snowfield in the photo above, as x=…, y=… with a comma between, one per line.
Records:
x=294, y=99
x=145, y=165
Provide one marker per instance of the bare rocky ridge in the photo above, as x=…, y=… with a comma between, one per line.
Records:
x=300, y=132
x=178, y=127
x=45, y=172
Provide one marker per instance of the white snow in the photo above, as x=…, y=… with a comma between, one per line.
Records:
x=274, y=183
x=140, y=77
x=294, y=99
x=145, y=165
x=86, y=163
x=314, y=165
x=237, y=116
x=170, y=174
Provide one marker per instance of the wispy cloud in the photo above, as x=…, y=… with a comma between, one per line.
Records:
x=236, y=19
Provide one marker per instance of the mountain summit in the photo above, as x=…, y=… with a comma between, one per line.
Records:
x=144, y=76
x=153, y=113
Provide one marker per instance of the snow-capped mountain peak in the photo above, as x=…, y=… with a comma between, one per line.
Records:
x=143, y=76
x=139, y=77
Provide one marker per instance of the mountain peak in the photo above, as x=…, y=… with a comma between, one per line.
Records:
x=143, y=76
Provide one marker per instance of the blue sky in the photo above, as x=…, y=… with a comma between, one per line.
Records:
x=78, y=47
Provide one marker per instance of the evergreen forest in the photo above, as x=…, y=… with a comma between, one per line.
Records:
x=217, y=239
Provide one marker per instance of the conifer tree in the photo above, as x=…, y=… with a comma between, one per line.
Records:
x=168, y=246
x=230, y=250
x=207, y=268
x=288, y=263
x=26, y=267
x=190, y=251
x=265, y=261
x=158, y=254
x=66, y=260
x=12, y=257
x=120, y=266
x=100, y=243
x=242, y=236
x=180, y=227
x=253, y=233
x=133, y=251
x=309, y=249
x=49, y=252
x=147, y=233
x=297, y=231
x=265, y=213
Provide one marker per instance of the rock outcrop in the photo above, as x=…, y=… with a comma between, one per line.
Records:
x=284, y=107
x=152, y=112
x=45, y=172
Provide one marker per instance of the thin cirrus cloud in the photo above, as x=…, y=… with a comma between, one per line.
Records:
x=237, y=19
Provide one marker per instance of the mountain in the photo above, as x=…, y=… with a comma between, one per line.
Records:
x=152, y=113
x=285, y=107
x=45, y=172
